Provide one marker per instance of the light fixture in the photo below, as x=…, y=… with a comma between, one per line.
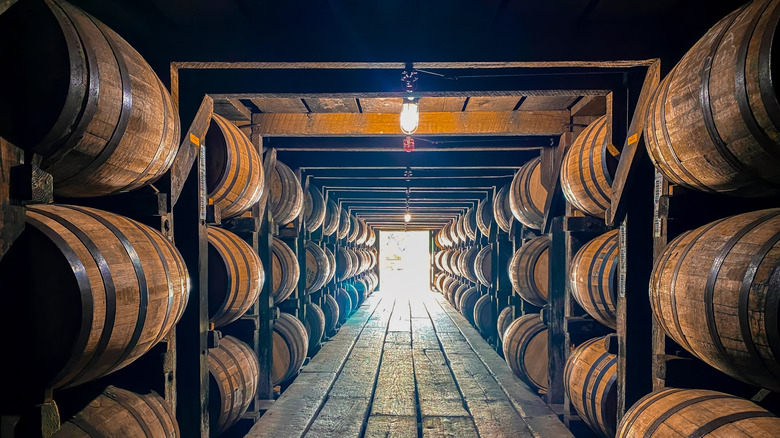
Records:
x=410, y=115
x=407, y=217
x=410, y=110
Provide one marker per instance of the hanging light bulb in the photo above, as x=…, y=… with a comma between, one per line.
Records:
x=410, y=115
x=407, y=217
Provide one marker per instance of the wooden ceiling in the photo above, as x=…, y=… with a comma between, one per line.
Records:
x=350, y=146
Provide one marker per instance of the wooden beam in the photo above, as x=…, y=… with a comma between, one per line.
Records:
x=232, y=109
x=633, y=148
x=400, y=159
x=590, y=106
x=384, y=124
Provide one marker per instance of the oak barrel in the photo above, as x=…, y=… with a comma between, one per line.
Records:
x=466, y=263
x=285, y=270
x=527, y=195
x=112, y=289
x=458, y=293
x=234, y=172
x=470, y=223
x=590, y=381
x=525, y=350
x=285, y=198
x=593, y=278
x=715, y=290
x=317, y=267
x=467, y=302
x=354, y=229
x=330, y=223
x=354, y=297
x=84, y=100
x=484, y=217
x=121, y=413
x=344, y=224
x=587, y=169
x=485, y=315
x=331, y=310
x=502, y=213
x=528, y=270
x=363, y=288
x=504, y=319
x=315, y=326
x=313, y=208
x=672, y=412
x=483, y=265
x=331, y=264
x=345, y=304
x=233, y=377
x=343, y=263
x=290, y=345
x=236, y=276
x=713, y=124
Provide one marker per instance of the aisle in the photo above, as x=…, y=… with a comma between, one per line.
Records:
x=408, y=367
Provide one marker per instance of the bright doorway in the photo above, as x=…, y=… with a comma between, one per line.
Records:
x=404, y=262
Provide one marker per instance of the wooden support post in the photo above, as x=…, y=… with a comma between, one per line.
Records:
x=192, y=372
x=634, y=316
x=266, y=314
x=557, y=346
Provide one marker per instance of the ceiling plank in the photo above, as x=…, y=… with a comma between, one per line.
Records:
x=332, y=105
x=232, y=109
x=546, y=103
x=375, y=124
x=441, y=104
x=415, y=160
x=591, y=106
x=381, y=105
x=280, y=105
x=492, y=103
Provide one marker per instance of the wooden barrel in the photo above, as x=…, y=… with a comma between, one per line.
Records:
x=317, y=267
x=466, y=263
x=467, y=302
x=452, y=232
x=457, y=295
x=111, y=289
x=672, y=412
x=464, y=237
x=330, y=223
x=363, y=236
x=315, y=327
x=345, y=304
x=118, y=412
x=285, y=270
x=485, y=315
x=444, y=236
x=354, y=297
x=593, y=278
x=587, y=169
x=437, y=260
x=483, y=266
x=354, y=229
x=504, y=319
x=343, y=263
x=373, y=281
x=713, y=123
x=501, y=211
x=470, y=224
x=371, y=237
x=344, y=224
x=528, y=270
x=313, y=208
x=527, y=195
x=484, y=217
x=525, y=350
x=590, y=380
x=715, y=292
x=445, y=260
x=285, y=198
x=101, y=130
x=454, y=262
x=362, y=287
x=290, y=345
x=236, y=276
x=331, y=264
x=439, y=282
x=233, y=376
x=331, y=310
x=234, y=172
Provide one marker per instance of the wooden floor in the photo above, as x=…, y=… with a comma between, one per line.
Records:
x=408, y=367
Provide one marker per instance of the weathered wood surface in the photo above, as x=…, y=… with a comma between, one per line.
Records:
x=452, y=123
x=434, y=376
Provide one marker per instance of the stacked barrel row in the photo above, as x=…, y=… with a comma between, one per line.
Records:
x=93, y=291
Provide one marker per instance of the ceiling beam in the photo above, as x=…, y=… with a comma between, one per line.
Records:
x=395, y=143
x=488, y=123
x=415, y=160
x=416, y=183
x=398, y=172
